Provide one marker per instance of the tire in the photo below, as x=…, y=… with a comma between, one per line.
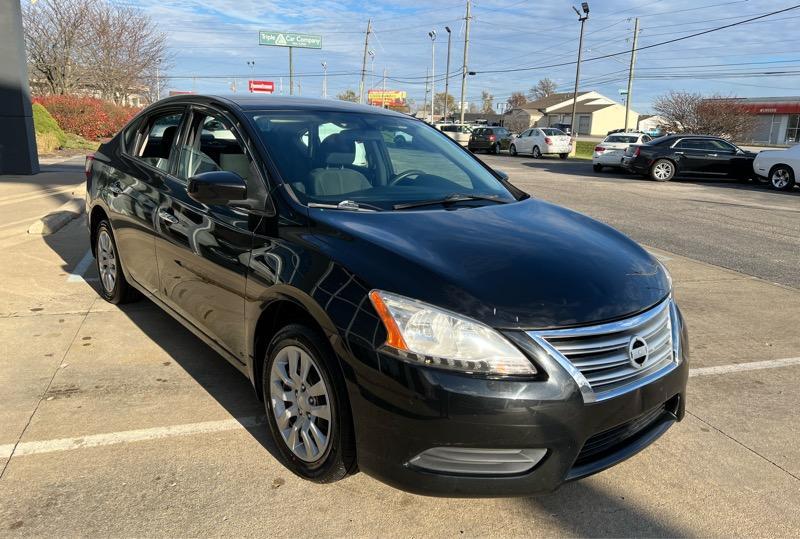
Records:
x=496, y=148
x=114, y=288
x=563, y=155
x=323, y=390
x=512, y=150
x=781, y=178
x=597, y=168
x=536, y=152
x=663, y=170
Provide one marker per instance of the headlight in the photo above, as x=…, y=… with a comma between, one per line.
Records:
x=424, y=334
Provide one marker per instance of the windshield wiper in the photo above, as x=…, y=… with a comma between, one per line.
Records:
x=450, y=199
x=351, y=205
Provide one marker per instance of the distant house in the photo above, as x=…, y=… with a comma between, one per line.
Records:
x=650, y=123
x=595, y=113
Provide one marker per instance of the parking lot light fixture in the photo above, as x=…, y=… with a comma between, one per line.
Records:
x=432, y=35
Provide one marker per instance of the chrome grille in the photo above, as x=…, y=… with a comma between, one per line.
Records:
x=600, y=354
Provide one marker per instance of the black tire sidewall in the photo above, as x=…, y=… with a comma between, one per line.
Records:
x=653, y=167
x=792, y=179
x=120, y=285
x=338, y=458
x=536, y=152
x=512, y=150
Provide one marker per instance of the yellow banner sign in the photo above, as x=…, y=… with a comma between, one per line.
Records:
x=390, y=97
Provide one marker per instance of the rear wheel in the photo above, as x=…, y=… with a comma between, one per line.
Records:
x=536, y=152
x=496, y=148
x=513, y=150
x=781, y=177
x=113, y=286
x=662, y=170
x=306, y=404
x=563, y=155
x=597, y=168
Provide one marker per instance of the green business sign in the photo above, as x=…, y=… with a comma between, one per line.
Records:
x=287, y=39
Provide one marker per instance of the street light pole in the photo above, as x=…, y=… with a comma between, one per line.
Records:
x=573, y=127
x=447, y=73
x=252, y=65
x=371, y=72
x=432, y=35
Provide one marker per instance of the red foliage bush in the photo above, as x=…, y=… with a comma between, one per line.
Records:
x=86, y=116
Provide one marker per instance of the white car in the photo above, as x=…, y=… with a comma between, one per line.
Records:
x=458, y=132
x=780, y=167
x=538, y=141
x=609, y=153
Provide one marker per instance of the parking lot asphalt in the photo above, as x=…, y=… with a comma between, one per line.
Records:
x=117, y=421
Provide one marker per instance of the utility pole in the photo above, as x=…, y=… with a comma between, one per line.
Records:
x=291, y=73
x=630, y=71
x=324, y=80
x=447, y=73
x=383, y=96
x=364, y=62
x=432, y=35
x=572, y=125
x=464, y=66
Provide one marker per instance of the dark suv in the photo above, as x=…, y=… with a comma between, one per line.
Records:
x=489, y=139
x=399, y=307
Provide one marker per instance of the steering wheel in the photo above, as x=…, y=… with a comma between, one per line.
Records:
x=405, y=174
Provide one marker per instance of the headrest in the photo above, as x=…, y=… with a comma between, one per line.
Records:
x=338, y=149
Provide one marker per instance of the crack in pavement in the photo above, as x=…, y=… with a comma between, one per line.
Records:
x=46, y=389
x=753, y=451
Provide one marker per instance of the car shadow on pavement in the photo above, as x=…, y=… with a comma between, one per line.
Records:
x=582, y=509
x=221, y=380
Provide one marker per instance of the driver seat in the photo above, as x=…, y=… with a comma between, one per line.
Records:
x=337, y=152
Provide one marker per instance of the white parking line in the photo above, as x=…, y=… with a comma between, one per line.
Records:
x=113, y=438
x=741, y=367
x=76, y=275
x=156, y=433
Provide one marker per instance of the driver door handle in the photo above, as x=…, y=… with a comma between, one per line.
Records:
x=713, y=155
x=167, y=216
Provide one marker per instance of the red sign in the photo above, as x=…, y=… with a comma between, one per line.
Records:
x=772, y=108
x=261, y=86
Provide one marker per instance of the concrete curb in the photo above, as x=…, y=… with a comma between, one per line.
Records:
x=56, y=220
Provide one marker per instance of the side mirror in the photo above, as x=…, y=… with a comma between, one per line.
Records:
x=217, y=187
x=500, y=174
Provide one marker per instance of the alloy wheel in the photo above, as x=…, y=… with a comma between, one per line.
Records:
x=300, y=403
x=536, y=152
x=780, y=178
x=662, y=171
x=107, y=261
x=512, y=150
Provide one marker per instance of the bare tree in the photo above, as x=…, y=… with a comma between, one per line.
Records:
x=687, y=112
x=542, y=89
x=487, y=102
x=56, y=37
x=348, y=95
x=516, y=123
x=516, y=100
x=92, y=46
x=439, y=100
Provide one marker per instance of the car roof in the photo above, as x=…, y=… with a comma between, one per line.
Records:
x=626, y=134
x=256, y=102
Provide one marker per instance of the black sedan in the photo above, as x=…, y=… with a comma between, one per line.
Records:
x=688, y=155
x=489, y=139
x=399, y=307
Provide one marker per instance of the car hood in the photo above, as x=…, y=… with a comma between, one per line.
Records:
x=527, y=264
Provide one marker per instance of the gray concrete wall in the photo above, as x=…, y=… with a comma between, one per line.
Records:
x=17, y=137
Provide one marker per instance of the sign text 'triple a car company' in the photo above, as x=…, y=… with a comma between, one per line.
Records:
x=289, y=39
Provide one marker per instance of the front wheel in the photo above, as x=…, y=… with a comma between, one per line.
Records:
x=536, y=152
x=597, y=168
x=662, y=170
x=563, y=155
x=306, y=403
x=513, y=150
x=781, y=178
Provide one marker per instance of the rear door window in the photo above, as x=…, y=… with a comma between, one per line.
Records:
x=157, y=139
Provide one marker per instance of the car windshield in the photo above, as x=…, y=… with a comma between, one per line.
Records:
x=376, y=160
x=553, y=132
x=627, y=139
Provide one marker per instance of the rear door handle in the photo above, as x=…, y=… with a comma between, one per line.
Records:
x=167, y=216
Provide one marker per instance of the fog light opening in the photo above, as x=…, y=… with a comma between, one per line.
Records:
x=476, y=461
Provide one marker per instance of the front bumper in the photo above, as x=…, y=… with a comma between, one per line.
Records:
x=406, y=409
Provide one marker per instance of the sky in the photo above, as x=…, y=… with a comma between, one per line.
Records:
x=511, y=43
